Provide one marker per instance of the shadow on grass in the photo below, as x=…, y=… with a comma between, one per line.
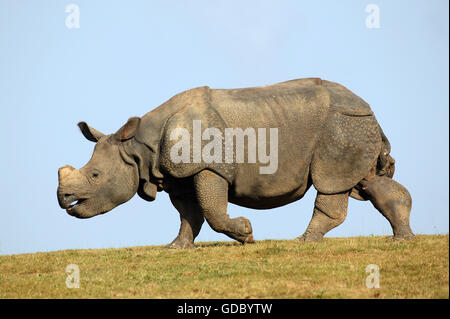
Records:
x=218, y=244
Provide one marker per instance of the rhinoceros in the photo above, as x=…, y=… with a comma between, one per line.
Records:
x=326, y=136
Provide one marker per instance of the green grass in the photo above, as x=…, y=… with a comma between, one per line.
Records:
x=334, y=268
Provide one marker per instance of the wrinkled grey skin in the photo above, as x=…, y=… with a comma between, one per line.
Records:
x=328, y=137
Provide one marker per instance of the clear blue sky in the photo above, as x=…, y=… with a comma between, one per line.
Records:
x=128, y=57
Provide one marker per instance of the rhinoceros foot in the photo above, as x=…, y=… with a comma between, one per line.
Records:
x=180, y=243
x=403, y=232
x=310, y=237
x=400, y=237
x=242, y=230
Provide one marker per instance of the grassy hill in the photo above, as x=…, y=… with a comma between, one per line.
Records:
x=335, y=268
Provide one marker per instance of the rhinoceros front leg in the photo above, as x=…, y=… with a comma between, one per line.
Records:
x=329, y=212
x=191, y=220
x=393, y=201
x=212, y=195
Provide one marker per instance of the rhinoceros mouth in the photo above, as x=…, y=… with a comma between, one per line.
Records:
x=74, y=204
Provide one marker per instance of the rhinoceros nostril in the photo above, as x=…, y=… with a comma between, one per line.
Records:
x=67, y=195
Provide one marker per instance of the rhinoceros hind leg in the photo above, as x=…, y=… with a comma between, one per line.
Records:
x=191, y=221
x=212, y=195
x=393, y=201
x=329, y=212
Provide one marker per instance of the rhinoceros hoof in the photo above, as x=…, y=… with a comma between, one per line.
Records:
x=248, y=240
x=310, y=237
x=403, y=237
x=244, y=239
x=181, y=244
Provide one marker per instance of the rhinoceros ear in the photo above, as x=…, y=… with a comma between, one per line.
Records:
x=90, y=133
x=129, y=129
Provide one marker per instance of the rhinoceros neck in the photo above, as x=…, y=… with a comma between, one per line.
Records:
x=150, y=179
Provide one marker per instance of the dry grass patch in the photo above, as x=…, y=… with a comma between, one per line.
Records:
x=334, y=268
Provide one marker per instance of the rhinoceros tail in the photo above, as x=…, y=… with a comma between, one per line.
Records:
x=385, y=163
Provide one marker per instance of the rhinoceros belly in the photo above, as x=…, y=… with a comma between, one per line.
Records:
x=258, y=197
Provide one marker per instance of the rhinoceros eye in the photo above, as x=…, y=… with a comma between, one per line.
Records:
x=95, y=175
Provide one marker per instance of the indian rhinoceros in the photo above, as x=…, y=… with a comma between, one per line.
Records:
x=326, y=136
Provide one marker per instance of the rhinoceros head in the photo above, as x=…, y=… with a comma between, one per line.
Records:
x=110, y=178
